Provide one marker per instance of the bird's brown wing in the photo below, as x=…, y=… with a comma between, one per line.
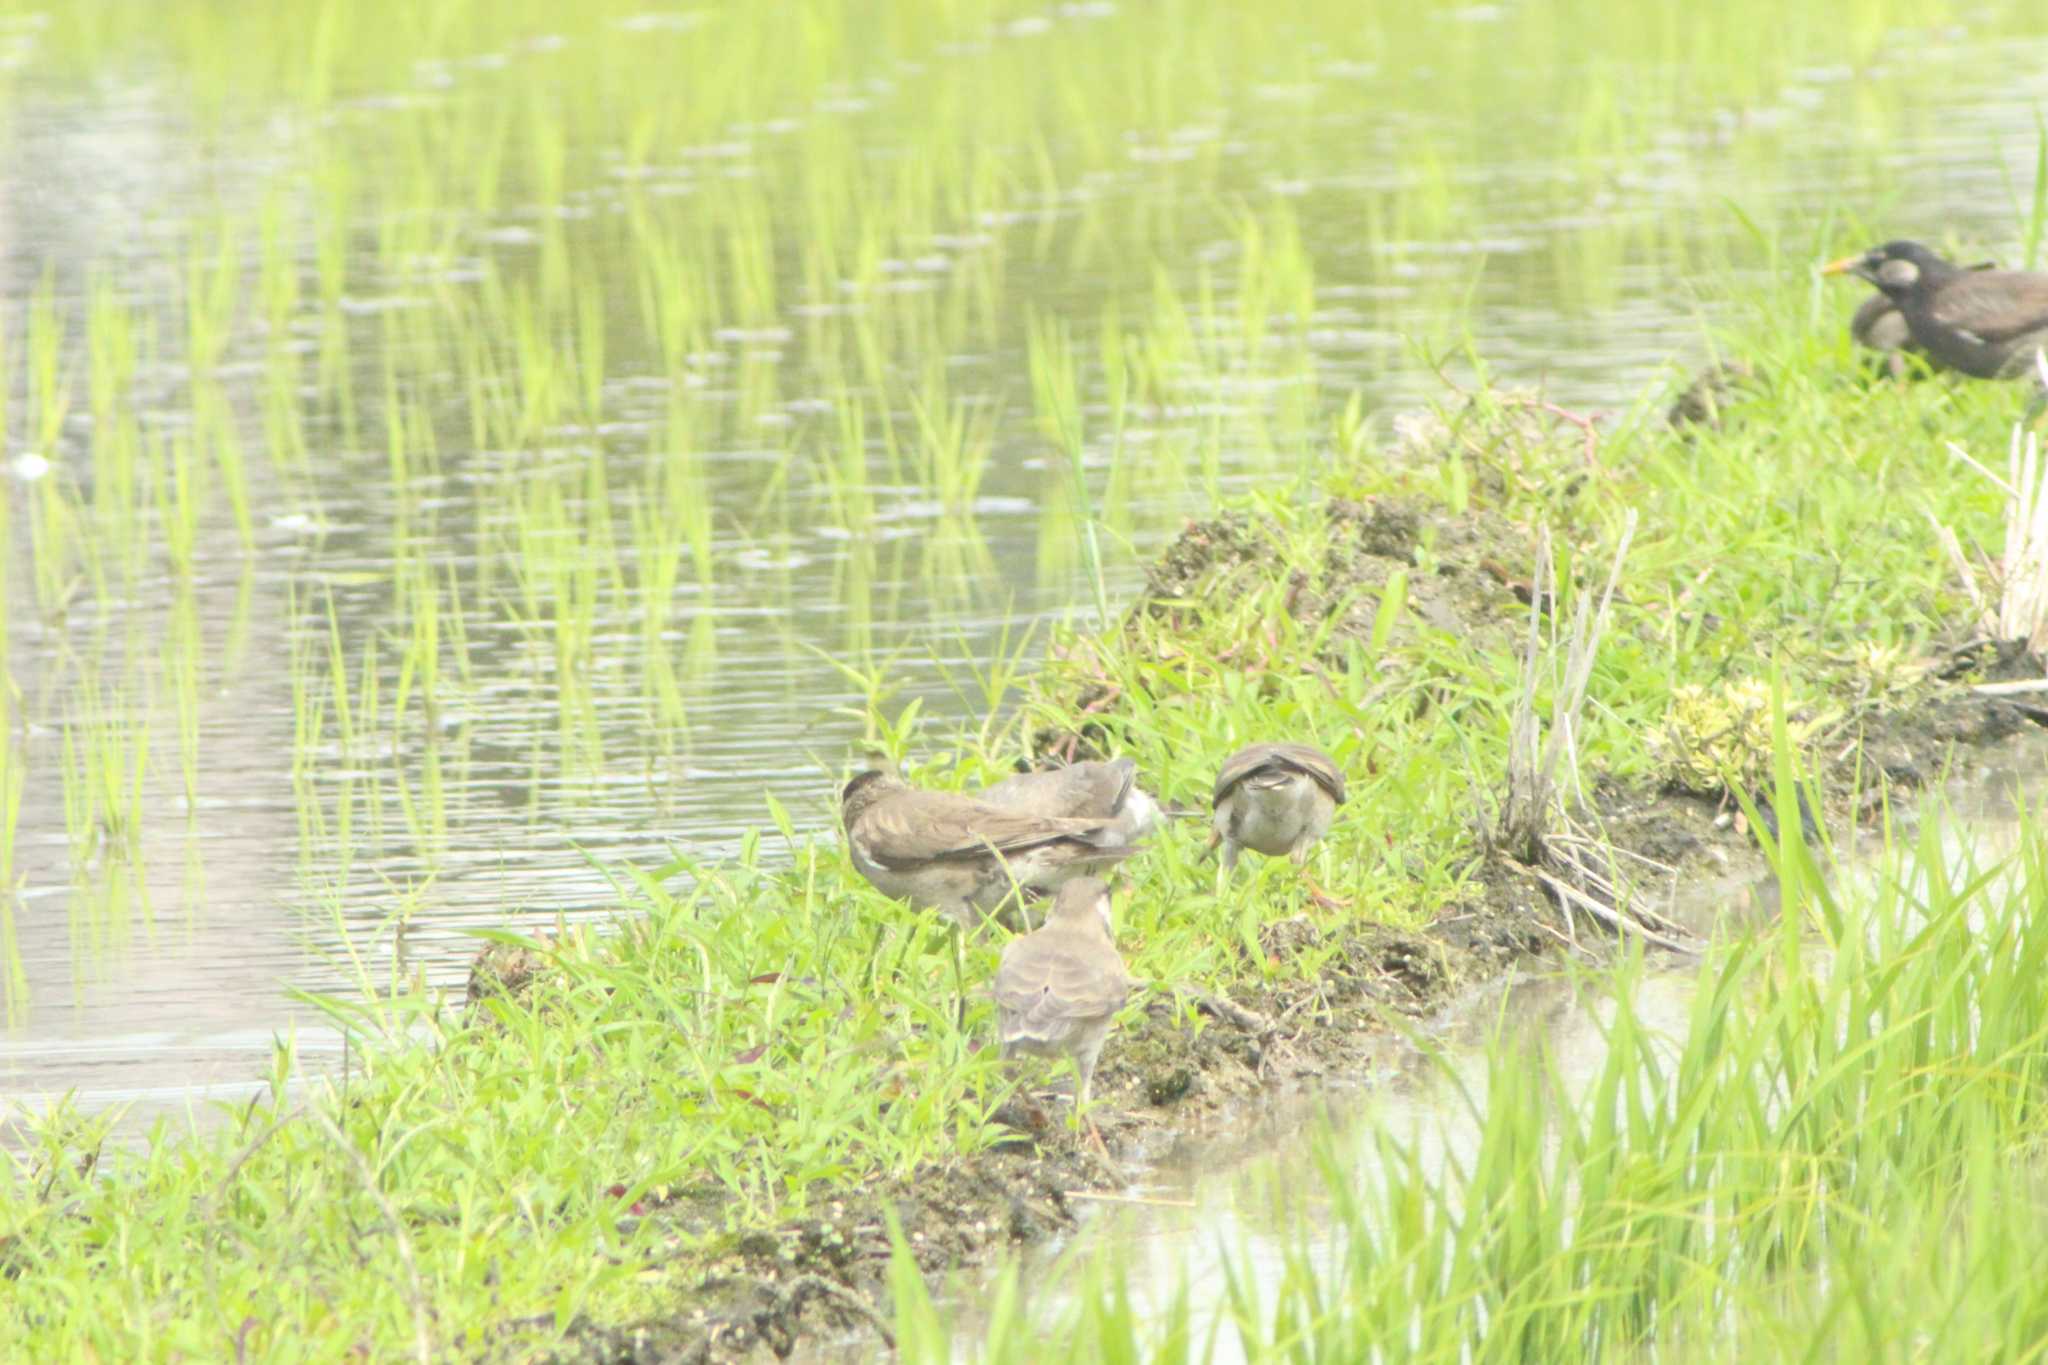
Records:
x=1993, y=305
x=1044, y=791
x=1317, y=765
x=1241, y=765
x=1080, y=790
x=1304, y=757
x=915, y=827
x=1050, y=978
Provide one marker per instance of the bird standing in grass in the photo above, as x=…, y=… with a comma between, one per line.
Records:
x=962, y=856
x=1091, y=790
x=1059, y=988
x=1989, y=324
x=1879, y=326
x=1278, y=799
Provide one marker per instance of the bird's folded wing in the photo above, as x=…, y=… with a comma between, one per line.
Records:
x=1241, y=765
x=918, y=827
x=1080, y=790
x=1245, y=762
x=1048, y=792
x=1996, y=305
x=1044, y=980
x=1317, y=765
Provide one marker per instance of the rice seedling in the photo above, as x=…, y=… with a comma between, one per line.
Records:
x=14, y=985
x=555, y=372
x=1055, y=386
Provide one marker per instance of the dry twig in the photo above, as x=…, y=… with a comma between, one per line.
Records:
x=2011, y=600
x=1581, y=871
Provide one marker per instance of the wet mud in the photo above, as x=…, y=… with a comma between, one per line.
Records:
x=1184, y=1063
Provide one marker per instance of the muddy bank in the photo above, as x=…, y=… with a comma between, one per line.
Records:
x=1186, y=1058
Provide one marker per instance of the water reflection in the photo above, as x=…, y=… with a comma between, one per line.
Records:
x=472, y=629
x=1252, y=1195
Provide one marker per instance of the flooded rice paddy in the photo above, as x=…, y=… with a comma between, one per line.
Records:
x=446, y=462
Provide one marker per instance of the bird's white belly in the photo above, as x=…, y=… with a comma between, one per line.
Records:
x=1138, y=818
x=929, y=887
x=1272, y=818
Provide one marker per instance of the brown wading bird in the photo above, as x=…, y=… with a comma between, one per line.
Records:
x=963, y=856
x=1100, y=791
x=1278, y=799
x=1058, y=989
x=1989, y=324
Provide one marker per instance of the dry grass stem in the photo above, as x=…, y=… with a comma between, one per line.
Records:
x=2010, y=596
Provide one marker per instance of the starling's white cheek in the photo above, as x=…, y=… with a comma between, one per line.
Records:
x=1898, y=274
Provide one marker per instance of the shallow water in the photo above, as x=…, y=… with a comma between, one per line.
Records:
x=281, y=860
x=1245, y=1193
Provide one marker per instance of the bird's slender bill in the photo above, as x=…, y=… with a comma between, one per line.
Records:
x=1843, y=266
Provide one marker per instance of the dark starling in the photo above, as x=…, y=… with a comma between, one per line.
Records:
x=1986, y=323
x=1880, y=326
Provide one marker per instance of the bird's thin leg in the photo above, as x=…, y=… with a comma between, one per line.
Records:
x=1323, y=898
x=953, y=932
x=1225, y=865
x=1021, y=1092
x=1316, y=893
x=1082, y=1076
x=1014, y=895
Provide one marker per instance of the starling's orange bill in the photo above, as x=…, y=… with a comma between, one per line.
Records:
x=1843, y=266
